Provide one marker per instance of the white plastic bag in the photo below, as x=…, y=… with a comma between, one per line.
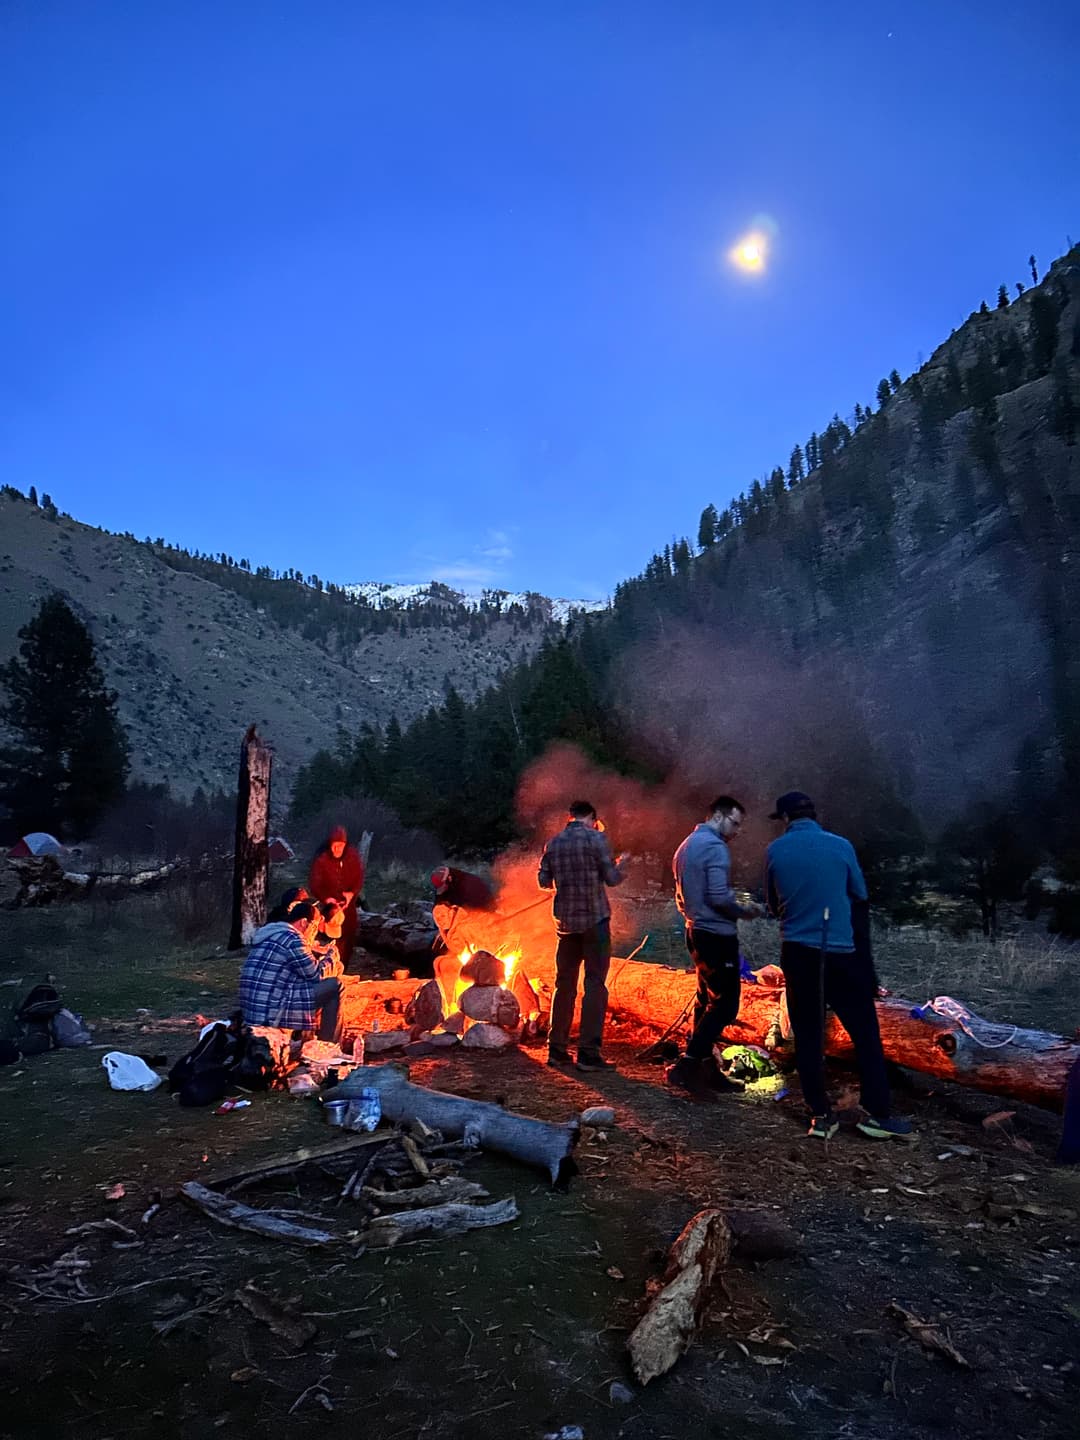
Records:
x=128, y=1072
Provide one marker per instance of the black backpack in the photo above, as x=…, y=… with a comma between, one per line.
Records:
x=227, y=1055
x=202, y=1075
x=34, y=1019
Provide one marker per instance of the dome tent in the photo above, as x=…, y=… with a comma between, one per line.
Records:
x=36, y=843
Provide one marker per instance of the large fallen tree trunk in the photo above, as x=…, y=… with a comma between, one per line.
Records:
x=535, y=1142
x=1033, y=1065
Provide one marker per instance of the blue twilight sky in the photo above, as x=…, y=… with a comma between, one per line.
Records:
x=442, y=287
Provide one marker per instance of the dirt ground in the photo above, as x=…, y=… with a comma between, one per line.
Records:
x=520, y=1330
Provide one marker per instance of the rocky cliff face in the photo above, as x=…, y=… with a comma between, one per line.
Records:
x=195, y=663
x=925, y=575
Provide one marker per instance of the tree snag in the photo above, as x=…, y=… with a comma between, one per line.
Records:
x=251, y=867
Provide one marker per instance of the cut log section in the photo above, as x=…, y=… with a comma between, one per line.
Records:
x=535, y=1142
x=669, y=1324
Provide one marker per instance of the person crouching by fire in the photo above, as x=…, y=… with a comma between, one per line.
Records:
x=711, y=911
x=337, y=873
x=461, y=890
x=577, y=865
x=280, y=983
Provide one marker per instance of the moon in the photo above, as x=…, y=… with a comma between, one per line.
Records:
x=750, y=253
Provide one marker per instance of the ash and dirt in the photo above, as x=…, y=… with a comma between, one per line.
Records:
x=520, y=1330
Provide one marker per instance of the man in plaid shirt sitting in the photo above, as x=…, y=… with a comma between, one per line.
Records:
x=280, y=984
x=577, y=864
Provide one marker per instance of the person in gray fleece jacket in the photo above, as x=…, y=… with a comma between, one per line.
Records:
x=711, y=911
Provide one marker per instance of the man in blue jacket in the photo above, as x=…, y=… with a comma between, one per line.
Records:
x=812, y=883
x=710, y=909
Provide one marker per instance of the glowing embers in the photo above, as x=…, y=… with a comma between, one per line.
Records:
x=485, y=998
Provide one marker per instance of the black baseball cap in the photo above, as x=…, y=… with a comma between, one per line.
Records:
x=791, y=803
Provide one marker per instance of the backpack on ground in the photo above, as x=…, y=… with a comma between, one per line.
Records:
x=227, y=1055
x=34, y=1018
x=202, y=1075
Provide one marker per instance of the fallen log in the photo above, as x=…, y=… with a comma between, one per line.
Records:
x=535, y=1142
x=451, y=1189
x=1033, y=1066
x=675, y=1310
x=438, y=1220
x=343, y=1149
x=266, y=1223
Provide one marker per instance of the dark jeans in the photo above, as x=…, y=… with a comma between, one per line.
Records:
x=592, y=946
x=327, y=1000
x=716, y=1004
x=849, y=986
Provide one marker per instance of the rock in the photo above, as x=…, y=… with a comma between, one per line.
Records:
x=491, y=1003
x=620, y=1394
x=598, y=1115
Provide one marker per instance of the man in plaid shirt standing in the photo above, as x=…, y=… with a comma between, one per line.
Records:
x=281, y=984
x=577, y=864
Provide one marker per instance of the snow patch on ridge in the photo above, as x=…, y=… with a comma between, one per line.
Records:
x=385, y=596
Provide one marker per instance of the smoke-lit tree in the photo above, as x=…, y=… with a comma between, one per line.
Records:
x=68, y=761
x=706, y=535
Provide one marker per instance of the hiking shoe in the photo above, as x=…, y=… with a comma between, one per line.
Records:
x=558, y=1058
x=593, y=1060
x=688, y=1075
x=717, y=1078
x=891, y=1128
x=822, y=1127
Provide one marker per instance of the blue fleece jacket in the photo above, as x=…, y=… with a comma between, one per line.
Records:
x=807, y=870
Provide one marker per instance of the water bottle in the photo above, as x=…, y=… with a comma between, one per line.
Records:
x=365, y=1111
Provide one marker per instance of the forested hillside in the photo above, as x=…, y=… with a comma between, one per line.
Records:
x=199, y=646
x=889, y=618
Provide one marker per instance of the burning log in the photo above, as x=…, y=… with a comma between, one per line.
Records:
x=534, y=1142
x=665, y=1330
x=1033, y=1066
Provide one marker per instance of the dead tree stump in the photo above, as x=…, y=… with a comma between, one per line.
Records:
x=251, y=867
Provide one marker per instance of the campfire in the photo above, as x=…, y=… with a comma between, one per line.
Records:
x=485, y=998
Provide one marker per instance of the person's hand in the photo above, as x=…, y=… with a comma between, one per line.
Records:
x=757, y=912
x=346, y=901
x=623, y=858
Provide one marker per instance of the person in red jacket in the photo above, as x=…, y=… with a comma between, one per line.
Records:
x=337, y=873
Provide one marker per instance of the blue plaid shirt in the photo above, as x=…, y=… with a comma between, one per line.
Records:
x=278, y=979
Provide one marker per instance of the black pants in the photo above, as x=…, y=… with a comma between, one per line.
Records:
x=327, y=1000
x=592, y=946
x=716, y=1004
x=849, y=986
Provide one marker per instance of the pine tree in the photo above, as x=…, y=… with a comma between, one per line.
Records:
x=69, y=759
x=984, y=309
x=883, y=392
x=706, y=535
x=1034, y=270
x=795, y=471
x=894, y=380
x=1019, y=288
x=33, y=494
x=1003, y=297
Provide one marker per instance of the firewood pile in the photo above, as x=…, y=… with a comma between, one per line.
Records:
x=370, y=1191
